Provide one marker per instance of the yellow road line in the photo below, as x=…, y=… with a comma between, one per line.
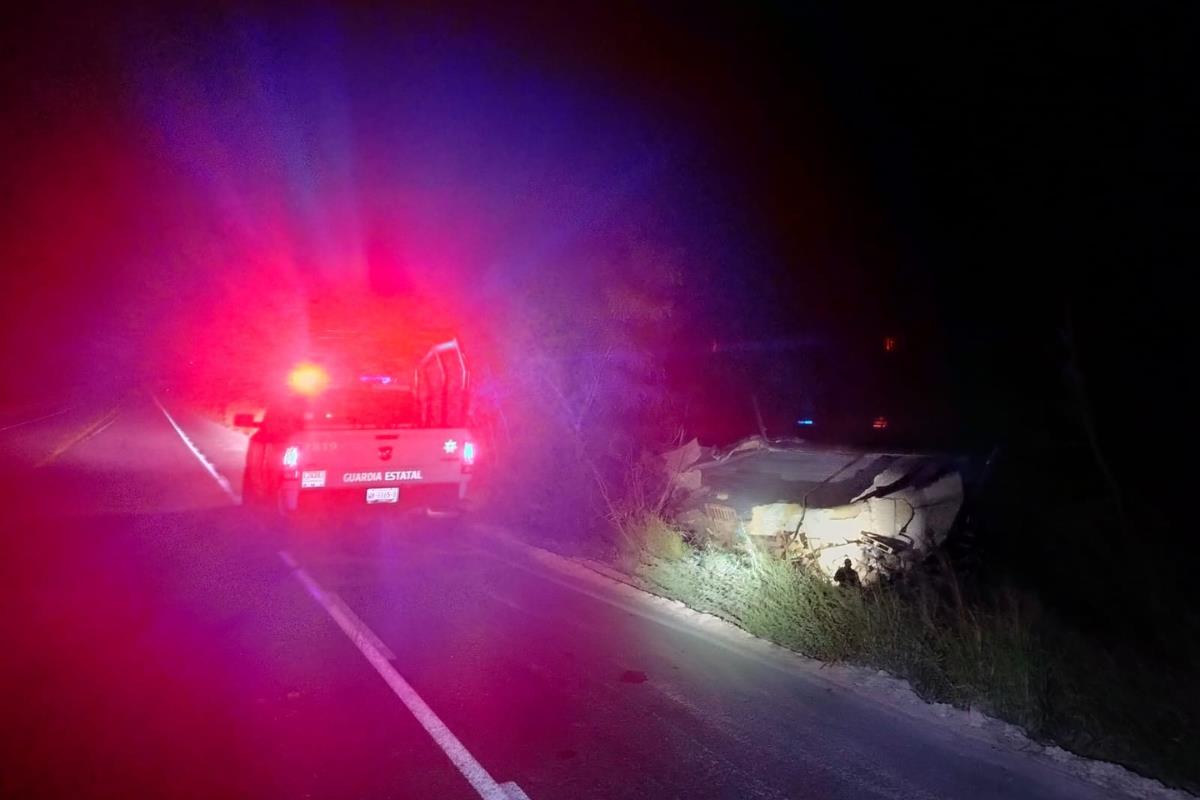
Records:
x=90, y=430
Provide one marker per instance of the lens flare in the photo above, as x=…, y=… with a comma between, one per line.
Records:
x=308, y=379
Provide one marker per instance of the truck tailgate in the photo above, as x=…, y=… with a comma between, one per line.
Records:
x=353, y=458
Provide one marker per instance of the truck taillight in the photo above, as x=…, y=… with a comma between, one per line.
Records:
x=291, y=456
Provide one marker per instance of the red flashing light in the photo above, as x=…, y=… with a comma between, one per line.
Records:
x=880, y=423
x=308, y=379
x=889, y=344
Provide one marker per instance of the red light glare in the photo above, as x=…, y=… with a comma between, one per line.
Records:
x=889, y=344
x=880, y=423
x=308, y=379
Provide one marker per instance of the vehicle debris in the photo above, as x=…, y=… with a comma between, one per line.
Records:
x=882, y=511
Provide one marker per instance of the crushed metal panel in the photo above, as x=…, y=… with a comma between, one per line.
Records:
x=682, y=457
x=679, y=465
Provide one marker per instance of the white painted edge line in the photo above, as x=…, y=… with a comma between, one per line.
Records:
x=359, y=625
x=35, y=419
x=221, y=480
x=513, y=791
x=364, y=638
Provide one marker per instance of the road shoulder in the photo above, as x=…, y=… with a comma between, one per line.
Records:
x=874, y=686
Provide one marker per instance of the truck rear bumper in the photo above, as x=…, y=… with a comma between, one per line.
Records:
x=439, y=496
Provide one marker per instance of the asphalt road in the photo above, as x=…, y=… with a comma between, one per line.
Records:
x=157, y=643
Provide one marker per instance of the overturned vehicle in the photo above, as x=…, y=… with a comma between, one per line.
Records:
x=882, y=511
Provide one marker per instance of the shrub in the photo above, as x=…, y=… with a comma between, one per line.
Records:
x=648, y=536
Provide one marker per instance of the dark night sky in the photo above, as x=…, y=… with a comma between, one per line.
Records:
x=961, y=178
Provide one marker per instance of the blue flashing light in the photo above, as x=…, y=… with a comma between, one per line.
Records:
x=805, y=421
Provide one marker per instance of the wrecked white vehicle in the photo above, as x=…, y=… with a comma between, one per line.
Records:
x=883, y=511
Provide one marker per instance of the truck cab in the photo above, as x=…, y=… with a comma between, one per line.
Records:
x=343, y=437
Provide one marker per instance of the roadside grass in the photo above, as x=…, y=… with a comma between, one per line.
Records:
x=648, y=534
x=1001, y=656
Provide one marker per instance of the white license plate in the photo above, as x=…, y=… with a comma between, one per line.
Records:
x=312, y=479
x=386, y=494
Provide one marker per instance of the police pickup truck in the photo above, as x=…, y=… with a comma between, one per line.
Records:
x=365, y=439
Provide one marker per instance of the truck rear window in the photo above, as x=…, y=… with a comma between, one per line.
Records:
x=348, y=409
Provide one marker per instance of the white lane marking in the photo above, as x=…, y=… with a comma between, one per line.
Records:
x=221, y=480
x=35, y=419
x=362, y=637
x=360, y=626
x=513, y=791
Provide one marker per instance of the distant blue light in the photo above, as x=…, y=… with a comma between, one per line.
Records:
x=805, y=421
